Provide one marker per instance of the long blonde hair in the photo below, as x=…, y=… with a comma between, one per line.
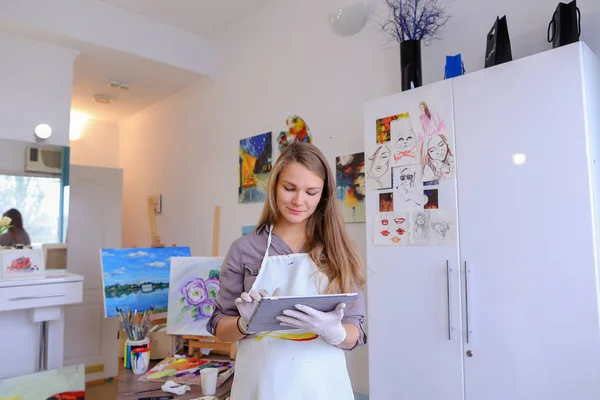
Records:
x=327, y=242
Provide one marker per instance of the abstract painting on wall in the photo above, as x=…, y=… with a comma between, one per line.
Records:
x=350, y=186
x=297, y=132
x=193, y=288
x=55, y=384
x=137, y=279
x=255, y=163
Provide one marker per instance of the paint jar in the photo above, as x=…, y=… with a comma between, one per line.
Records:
x=140, y=360
x=208, y=379
x=131, y=345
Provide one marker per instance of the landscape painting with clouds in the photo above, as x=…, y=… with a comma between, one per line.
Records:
x=137, y=279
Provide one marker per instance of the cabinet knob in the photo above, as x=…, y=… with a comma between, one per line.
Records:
x=469, y=353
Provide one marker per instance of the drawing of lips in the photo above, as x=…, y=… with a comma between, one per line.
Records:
x=400, y=231
x=385, y=233
x=385, y=222
x=399, y=220
x=395, y=239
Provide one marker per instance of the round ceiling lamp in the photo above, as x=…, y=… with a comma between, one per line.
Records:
x=100, y=98
x=42, y=132
x=350, y=20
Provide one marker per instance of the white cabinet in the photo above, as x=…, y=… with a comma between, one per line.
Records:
x=527, y=188
x=26, y=305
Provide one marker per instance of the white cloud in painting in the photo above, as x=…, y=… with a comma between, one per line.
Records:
x=156, y=264
x=107, y=253
x=120, y=271
x=137, y=254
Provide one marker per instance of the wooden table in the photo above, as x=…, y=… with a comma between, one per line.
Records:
x=128, y=382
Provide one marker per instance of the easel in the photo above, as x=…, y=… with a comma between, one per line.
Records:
x=196, y=343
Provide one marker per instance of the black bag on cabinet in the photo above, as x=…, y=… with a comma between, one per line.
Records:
x=498, y=48
x=565, y=27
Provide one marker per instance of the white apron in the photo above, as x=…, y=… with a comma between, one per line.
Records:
x=291, y=364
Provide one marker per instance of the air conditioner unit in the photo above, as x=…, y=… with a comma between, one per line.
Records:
x=43, y=160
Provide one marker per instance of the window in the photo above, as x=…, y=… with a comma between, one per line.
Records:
x=38, y=201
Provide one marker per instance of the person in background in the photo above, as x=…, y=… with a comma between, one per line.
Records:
x=16, y=234
x=300, y=248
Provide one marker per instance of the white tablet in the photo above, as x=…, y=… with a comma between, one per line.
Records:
x=263, y=316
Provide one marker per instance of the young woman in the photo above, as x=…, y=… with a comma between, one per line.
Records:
x=16, y=234
x=299, y=248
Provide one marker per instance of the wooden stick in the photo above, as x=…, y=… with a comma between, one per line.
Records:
x=215, y=249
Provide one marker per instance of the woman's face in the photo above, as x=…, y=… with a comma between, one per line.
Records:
x=407, y=178
x=437, y=148
x=420, y=220
x=422, y=108
x=381, y=162
x=298, y=193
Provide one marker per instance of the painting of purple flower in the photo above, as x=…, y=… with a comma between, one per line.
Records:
x=206, y=308
x=194, y=287
x=212, y=287
x=194, y=292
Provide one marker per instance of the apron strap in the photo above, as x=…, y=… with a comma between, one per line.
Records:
x=268, y=246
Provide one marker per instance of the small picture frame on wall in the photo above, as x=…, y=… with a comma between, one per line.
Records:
x=21, y=264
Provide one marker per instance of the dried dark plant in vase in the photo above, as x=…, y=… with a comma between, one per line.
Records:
x=411, y=22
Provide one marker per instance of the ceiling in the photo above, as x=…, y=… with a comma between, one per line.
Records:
x=150, y=82
x=207, y=18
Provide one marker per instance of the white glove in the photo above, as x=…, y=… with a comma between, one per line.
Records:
x=246, y=304
x=328, y=325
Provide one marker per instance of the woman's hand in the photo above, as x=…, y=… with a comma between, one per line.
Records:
x=328, y=325
x=246, y=304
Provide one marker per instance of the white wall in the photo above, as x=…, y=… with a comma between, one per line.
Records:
x=98, y=145
x=285, y=60
x=36, y=81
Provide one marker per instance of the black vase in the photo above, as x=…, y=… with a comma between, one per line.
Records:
x=410, y=64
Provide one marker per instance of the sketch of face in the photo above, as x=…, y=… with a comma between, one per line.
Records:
x=444, y=228
x=422, y=108
x=437, y=149
x=406, y=140
x=407, y=179
x=381, y=162
x=420, y=220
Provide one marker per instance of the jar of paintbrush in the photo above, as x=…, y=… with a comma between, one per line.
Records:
x=136, y=354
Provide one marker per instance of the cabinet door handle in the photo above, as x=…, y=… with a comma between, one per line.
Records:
x=39, y=296
x=468, y=300
x=448, y=271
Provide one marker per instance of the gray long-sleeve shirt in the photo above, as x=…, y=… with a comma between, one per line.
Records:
x=239, y=271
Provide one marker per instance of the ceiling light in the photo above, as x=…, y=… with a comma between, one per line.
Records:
x=100, y=98
x=350, y=20
x=42, y=132
x=78, y=122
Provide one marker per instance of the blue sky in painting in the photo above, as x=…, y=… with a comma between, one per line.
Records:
x=121, y=266
x=255, y=145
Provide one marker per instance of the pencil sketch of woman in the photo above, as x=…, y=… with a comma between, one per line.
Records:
x=378, y=172
x=420, y=228
x=437, y=159
x=441, y=229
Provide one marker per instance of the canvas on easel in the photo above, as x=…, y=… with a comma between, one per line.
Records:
x=193, y=288
x=137, y=278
